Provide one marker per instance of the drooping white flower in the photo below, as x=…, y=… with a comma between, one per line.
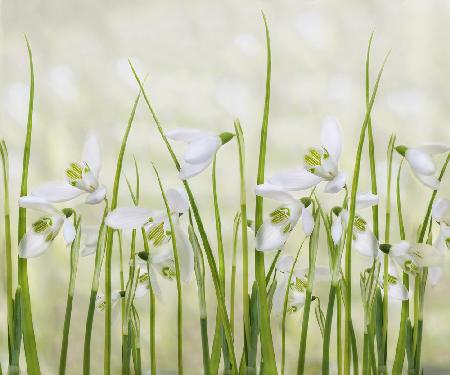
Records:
x=200, y=151
x=82, y=177
x=364, y=239
x=441, y=214
x=297, y=286
x=396, y=289
x=43, y=231
x=100, y=300
x=320, y=164
x=275, y=230
x=421, y=162
x=157, y=227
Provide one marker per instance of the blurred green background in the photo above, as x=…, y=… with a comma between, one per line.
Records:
x=206, y=66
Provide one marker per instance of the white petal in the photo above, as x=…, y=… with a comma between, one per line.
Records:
x=69, y=231
x=33, y=244
x=279, y=295
x=331, y=137
x=400, y=249
x=185, y=255
x=366, y=243
x=435, y=274
x=434, y=148
x=202, y=149
x=92, y=154
x=178, y=200
x=38, y=204
x=364, y=200
x=88, y=250
x=398, y=291
x=337, y=229
x=97, y=195
x=57, y=191
x=430, y=181
x=162, y=255
x=190, y=170
x=275, y=192
x=337, y=184
x=298, y=179
x=426, y=255
x=141, y=289
x=420, y=161
x=285, y=263
x=270, y=237
x=128, y=217
x=184, y=134
x=441, y=209
x=155, y=284
x=307, y=221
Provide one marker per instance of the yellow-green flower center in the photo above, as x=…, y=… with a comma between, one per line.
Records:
x=42, y=224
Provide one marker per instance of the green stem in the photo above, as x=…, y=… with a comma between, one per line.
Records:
x=8, y=252
x=339, y=331
x=74, y=253
x=29, y=340
x=177, y=272
x=355, y=180
x=327, y=331
x=237, y=219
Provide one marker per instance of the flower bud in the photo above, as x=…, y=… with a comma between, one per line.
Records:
x=226, y=137
x=401, y=150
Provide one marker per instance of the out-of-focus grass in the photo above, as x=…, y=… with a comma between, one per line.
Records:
x=206, y=65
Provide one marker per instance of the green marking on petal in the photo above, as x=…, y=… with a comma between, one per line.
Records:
x=280, y=215
x=392, y=280
x=157, y=234
x=360, y=224
x=42, y=224
x=313, y=158
x=410, y=266
x=168, y=272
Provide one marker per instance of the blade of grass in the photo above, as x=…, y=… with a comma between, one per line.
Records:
x=29, y=339
x=109, y=243
x=267, y=349
x=313, y=246
x=237, y=219
x=74, y=254
x=206, y=245
x=8, y=252
x=99, y=255
x=177, y=271
x=200, y=276
x=244, y=229
x=355, y=180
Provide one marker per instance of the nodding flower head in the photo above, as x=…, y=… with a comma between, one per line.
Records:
x=319, y=164
x=43, y=231
x=421, y=162
x=275, y=230
x=82, y=177
x=200, y=151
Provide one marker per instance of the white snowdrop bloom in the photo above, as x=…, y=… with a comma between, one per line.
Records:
x=275, y=230
x=421, y=162
x=200, y=151
x=320, y=164
x=441, y=214
x=100, y=300
x=364, y=238
x=157, y=226
x=43, y=231
x=396, y=289
x=297, y=286
x=81, y=178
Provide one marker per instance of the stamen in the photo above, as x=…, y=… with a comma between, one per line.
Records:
x=157, y=234
x=280, y=215
x=42, y=224
x=360, y=224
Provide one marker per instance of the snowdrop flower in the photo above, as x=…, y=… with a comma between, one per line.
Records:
x=100, y=300
x=275, y=230
x=297, y=286
x=421, y=162
x=200, y=151
x=81, y=178
x=320, y=164
x=44, y=230
x=157, y=227
x=364, y=240
x=441, y=214
x=396, y=289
